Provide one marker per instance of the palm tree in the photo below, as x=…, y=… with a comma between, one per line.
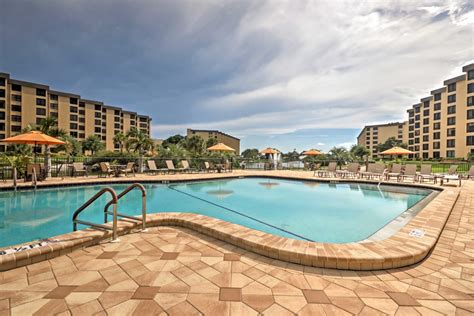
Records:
x=340, y=154
x=92, y=143
x=120, y=138
x=48, y=126
x=140, y=143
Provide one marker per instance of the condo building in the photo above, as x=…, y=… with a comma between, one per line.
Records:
x=373, y=135
x=23, y=103
x=441, y=125
x=221, y=137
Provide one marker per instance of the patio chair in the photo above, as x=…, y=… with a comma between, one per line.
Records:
x=426, y=173
x=78, y=168
x=410, y=172
x=186, y=166
x=352, y=170
x=453, y=169
x=395, y=172
x=470, y=173
x=152, y=169
x=452, y=175
x=368, y=171
x=208, y=167
x=171, y=168
x=129, y=169
x=105, y=169
x=36, y=168
x=379, y=171
x=329, y=172
x=227, y=166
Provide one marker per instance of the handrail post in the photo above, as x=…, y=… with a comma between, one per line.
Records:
x=144, y=212
x=114, y=224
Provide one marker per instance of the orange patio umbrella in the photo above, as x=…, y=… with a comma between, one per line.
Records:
x=312, y=152
x=397, y=151
x=33, y=138
x=269, y=151
x=221, y=147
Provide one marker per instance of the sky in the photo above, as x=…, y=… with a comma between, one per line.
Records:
x=286, y=74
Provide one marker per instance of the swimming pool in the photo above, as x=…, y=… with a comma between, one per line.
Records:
x=322, y=212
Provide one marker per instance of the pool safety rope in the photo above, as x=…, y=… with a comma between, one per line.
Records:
x=238, y=213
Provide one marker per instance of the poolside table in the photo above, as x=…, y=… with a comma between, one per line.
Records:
x=454, y=177
x=117, y=169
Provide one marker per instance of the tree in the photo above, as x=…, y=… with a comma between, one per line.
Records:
x=359, y=151
x=389, y=143
x=138, y=141
x=211, y=142
x=340, y=154
x=176, y=139
x=194, y=144
x=93, y=143
x=120, y=138
x=250, y=153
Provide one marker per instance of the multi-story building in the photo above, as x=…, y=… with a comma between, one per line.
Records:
x=373, y=135
x=23, y=103
x=442, y=124
x=221, y=137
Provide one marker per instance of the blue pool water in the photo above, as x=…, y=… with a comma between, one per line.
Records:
x=322, y=212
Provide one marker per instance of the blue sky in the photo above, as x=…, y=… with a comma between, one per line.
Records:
x=287, y=74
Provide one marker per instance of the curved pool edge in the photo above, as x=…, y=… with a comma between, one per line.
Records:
x=397, y=251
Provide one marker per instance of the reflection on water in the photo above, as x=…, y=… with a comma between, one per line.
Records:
x=220, y=194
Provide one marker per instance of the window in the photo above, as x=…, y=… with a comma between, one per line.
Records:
x=41, y=102
x=426, y=129
x=97, y=115
x=470, y=75
x=16, y=128
x=417, y=140
x=104, y=117
x=2, y=128
x=470, y=127
x=82, y=120
x=82, y=128
x=452, y=87
x=104, y=138
x=436, y=154
x=73, y=117
x=417, y=117
x=436, y=126
x=117, y=119
x=53, y=97
x=426, y=138
x=16, y=97
x=470, y=101
x=426, y=104
x=16, y=118
x=426, y=121
x=2, y=93
x=117, y=125
x=470, y=114
x=426, y=146
x=452, y=120
x=411, y=135
x=97, y=130
x=73, y=125
x=97, y=107
x=73, y=101
x=40, y=111
x=450, y=154
x=452, y=109
x=417, y=125
x=451, y=98
x=426, y=112
x=437, y=116
x=82, y=112
x=54, y=114
x=73, y=134
x=117, y=112
x=470, y=88
x=53, y=106
x=469, y=140
x=73, y=109
x=2, y=82
x=2, y=104
x=16, y=108
x=2, y=115
x=450, y=143
x=82, y=135
x=451, y=132
x=436, y=145
x=417, y=133
x=16, y=87
x=82, y=104
x=39, y=120
x=437, y=96
x=437, y=106
x=436, y=135
x=98, y=122
x=40, y=92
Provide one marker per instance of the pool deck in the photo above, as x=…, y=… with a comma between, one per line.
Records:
x=178, y=270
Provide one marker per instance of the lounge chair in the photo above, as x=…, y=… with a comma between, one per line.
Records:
x=352, y=170
x=426, y=174
x=395, y=172
x=129, y=169
x=452, y=175
x=171, y=168
x=379, y=171
x=208, y=167
x=37, y=169
x=105, y=169
x=329, y=172
x=368, y=171
x=152, y=169
x=78, y=168
x=410, y=172
x=470, y=174
x=186, y=166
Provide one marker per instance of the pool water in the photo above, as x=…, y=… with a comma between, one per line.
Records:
x=322, y=212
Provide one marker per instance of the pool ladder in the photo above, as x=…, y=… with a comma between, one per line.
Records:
x=113, y=202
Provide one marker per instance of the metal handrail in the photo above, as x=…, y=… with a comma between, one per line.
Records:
x=114, y=201
x=123, y=193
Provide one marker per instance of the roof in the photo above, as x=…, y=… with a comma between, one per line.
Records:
x=426, y=99
x=455, y=79
x=381, y=125
x=439, y=90
x=91, y=101
x=468, y=67
x=64, y=94
x=30, y=84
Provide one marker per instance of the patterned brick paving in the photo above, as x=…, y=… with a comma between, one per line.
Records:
x=176, y=271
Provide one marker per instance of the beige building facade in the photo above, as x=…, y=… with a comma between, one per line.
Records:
x=373, y=135
x=23, y=103
x=440, y=126
x=221, y=137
